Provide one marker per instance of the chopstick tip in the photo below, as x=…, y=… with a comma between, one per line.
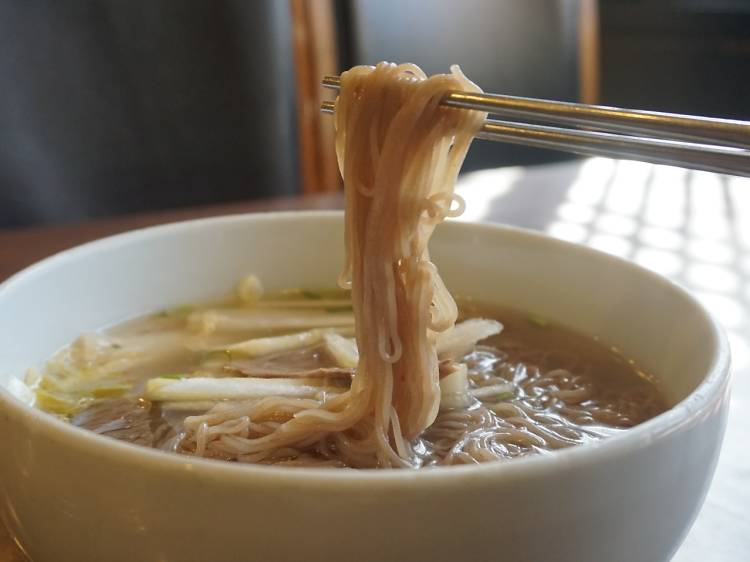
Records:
x=331, y=81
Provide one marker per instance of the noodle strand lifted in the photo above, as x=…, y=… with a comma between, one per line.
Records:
x=399, y=153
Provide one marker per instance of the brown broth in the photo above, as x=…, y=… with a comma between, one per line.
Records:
x=568, y=388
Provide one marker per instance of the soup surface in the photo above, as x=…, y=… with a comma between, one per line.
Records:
x=181, y=380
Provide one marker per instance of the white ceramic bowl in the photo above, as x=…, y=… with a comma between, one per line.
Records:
x=68, y=494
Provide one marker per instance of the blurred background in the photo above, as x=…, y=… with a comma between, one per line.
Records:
x=111, y=107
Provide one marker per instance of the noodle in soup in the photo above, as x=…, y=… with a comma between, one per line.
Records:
x=387, y=371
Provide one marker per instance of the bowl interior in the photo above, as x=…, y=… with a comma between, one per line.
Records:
x=647, y=317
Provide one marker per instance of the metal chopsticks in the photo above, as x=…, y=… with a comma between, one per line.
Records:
x=701, y=143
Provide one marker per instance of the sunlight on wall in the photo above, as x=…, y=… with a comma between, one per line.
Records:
x=664, y=262
x=693, y=227
x=661, y=238
x=484, y=187
x=568, y=231
x=588, y=189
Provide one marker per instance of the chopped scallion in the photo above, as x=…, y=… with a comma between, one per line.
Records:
x=538, y=321
x=180, y=311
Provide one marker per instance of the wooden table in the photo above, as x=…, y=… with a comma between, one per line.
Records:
x=694, y=228
x=23, y=246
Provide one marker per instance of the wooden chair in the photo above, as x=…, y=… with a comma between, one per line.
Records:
x=540, y=48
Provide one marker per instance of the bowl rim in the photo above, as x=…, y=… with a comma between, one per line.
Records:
x=711, y=389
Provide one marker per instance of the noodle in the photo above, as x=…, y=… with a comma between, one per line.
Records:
x=399, y=153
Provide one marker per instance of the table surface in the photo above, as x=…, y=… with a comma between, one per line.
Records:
x=693, y=227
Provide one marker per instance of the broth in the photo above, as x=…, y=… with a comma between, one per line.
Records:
x=535, y=387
